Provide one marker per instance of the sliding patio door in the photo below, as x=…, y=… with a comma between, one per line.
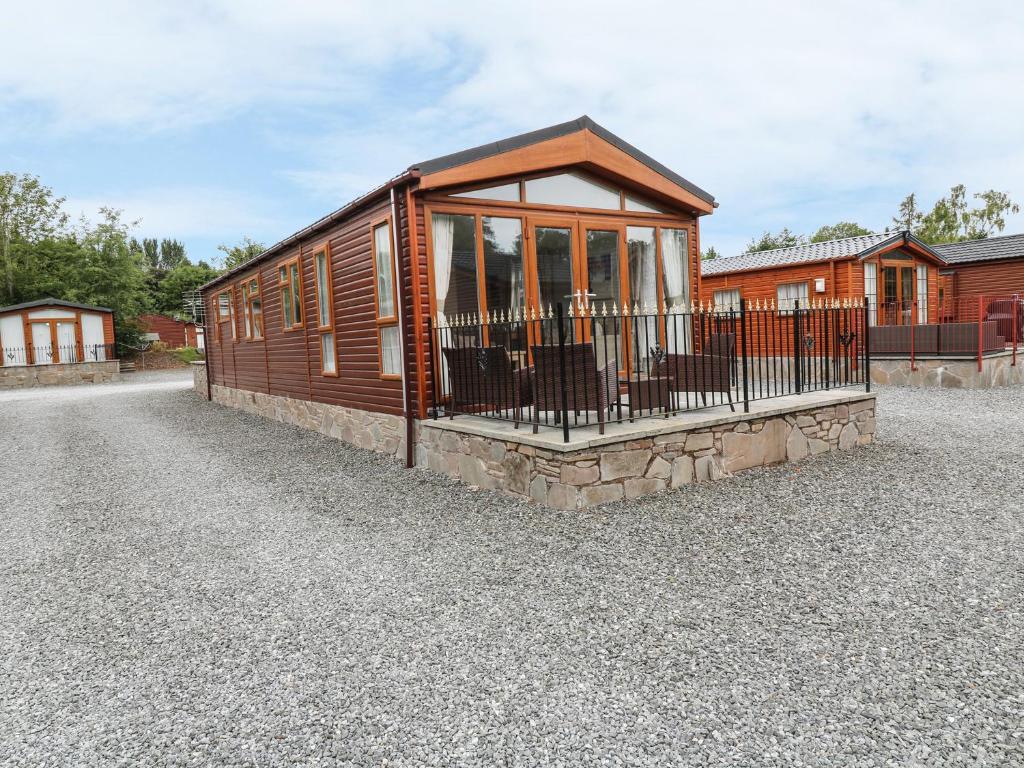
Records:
x=42, y=344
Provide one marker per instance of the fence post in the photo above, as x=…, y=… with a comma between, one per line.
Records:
x=797, y=367
x=561, y=372
x=743, y=353
x=913, y=325
x=826, y=345
x=981, y=335
x=1015, y=308
x=435, y=366
x=867, y=348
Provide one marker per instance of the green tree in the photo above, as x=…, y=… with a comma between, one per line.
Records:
x=234, y=255
x=952, y=219
x=769, y=241
x=710, y=253
x=838, y=231
x=184, y=277
x=29, y=212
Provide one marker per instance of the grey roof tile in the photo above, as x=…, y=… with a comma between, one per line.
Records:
x=825, y=251
x=988, y=249
x=50, y=302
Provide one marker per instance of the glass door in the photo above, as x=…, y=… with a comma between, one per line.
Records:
x=602, y=294
x=907, y=275
x=556, y=272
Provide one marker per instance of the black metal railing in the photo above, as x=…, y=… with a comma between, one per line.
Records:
x=47, y=354
x=594, y=364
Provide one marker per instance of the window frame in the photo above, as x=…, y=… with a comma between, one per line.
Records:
x=329, y=329
x=285, y=264
x=385, y=321
x=248, y=314
x=731, y=289
x=227, y=316
x=805, y=298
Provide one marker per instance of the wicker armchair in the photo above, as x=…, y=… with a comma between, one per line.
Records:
x=587, y=387
x=483, y=379
x=710, y=371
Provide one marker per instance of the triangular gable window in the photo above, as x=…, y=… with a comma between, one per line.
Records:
x=571, y=189
x=504, y=192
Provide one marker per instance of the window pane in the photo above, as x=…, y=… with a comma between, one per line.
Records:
x=224, y=305
x=256, y=302
x=922, y=293
x=643, y=270
x=675, y=262
x=455, y=286
x=554, y=267
x=385, y=282
x=296, y=294
x=571, y=189
x=787, y=294
x=327, y=355
x=603, y=285
x=506, y=192
x=322, y=288
x=636, y=204
x=390, y=352
x=503, y=264
x=871, y=291
x=245, y=310
x=286, y=304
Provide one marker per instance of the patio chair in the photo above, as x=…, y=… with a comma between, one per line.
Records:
x=710, y=371
x=587, y=386
x=483, y=379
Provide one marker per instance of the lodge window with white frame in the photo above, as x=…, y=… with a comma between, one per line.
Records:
x=788, y=294
x=727, y=300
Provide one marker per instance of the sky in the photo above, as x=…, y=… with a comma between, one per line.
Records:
x=208, y=121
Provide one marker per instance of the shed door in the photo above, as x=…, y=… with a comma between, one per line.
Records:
x=42, y=347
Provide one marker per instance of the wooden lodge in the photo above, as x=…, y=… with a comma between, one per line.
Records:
x=896, y=273
x=991, y=267
x=55, y=332
x=339, y=314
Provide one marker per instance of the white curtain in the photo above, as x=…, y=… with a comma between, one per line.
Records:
x=443, y=228
x=871, y=292
x=674, y=265
x=922, y=293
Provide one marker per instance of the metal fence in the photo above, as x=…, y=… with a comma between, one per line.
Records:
x=967, y=326
x=54, y=355
x=594, y=364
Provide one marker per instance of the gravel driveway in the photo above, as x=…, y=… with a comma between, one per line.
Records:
x=181, y=584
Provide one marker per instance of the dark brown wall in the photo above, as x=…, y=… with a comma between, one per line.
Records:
x=998, y=278
x=288, y=362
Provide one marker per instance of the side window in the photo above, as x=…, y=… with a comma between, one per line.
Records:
x=387, y=315
x=790, y=293
x=325, y=312
x=289, y=278
x=252, y=309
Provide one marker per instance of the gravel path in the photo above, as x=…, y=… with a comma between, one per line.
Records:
x=181, y=584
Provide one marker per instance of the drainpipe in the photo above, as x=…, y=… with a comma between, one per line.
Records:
x=403, y=330
x=206, y=351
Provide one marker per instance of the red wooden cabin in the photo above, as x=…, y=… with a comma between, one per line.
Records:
x=338, y=312
x=53, y=331
x=897, y=274
x=171, y=331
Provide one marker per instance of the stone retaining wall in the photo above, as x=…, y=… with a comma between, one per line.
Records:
x=25, y=376
x=381, y=432
x=938, y=373
x=632, y=468
x=199, y=378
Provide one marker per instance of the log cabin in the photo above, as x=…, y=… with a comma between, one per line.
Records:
x=171, y=331
x=894, y=271
x=330, y=327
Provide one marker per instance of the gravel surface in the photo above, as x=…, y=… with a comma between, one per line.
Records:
x=182, y=584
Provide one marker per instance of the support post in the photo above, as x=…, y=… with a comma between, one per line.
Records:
x=435, y=366
x=913, y=326
x=867, y=348
x=981, y=334
x=743, y=353
x=561, y=371
x=1015, y=308
x=797, y=366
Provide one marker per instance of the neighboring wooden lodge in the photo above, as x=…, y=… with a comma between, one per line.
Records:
x=337, y=313
x=990, y=267
x=894, y=271
x=52, y=331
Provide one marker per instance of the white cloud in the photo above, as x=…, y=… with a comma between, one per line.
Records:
x=783, y=110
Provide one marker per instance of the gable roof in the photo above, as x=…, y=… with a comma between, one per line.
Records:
x=52, y=303
x=456, y=159
x=986, y=249
x=553, y=132
x=859, y=246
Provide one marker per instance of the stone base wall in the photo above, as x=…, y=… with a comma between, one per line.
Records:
x=381, y=432
x=24, y=376
x=632, y=468
x=199, y=378
x=996, y=371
